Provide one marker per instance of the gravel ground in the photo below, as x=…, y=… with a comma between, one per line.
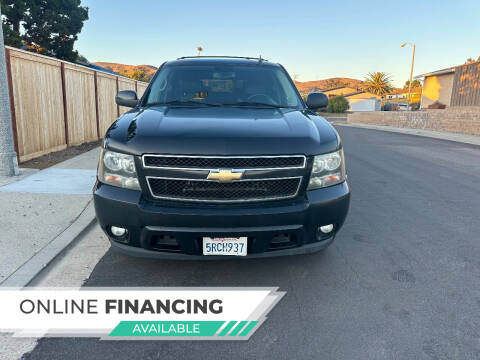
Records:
x=51, y=159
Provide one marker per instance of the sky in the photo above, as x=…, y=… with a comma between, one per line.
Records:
x=313, y=39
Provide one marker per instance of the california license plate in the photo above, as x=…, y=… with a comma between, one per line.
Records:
x=235, y=246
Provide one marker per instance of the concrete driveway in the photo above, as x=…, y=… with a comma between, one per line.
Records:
x=401, y=280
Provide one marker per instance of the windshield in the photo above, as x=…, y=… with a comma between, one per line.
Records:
x=223, y=84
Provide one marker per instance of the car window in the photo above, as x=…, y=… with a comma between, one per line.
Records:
x=223, y=85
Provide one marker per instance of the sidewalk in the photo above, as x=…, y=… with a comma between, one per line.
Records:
x=443, y=135
x=42, y=212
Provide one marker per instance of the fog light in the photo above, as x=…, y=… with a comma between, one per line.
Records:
x=326, y=228
x=118, y=231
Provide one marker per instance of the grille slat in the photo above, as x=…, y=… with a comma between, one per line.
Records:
x=263, y=162
x=245, y=190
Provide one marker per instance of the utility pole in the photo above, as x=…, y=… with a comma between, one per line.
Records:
x=411, y=72
x=8, y=157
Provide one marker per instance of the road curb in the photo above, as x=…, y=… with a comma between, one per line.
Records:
x=442, y=135
x=25, y=274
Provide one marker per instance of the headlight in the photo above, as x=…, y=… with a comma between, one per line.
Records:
x=118, y=170
x=327, y=170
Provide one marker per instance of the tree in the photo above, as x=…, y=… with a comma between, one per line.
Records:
x=337, y=104
x=48, y=27
x=378, y=83
x=415, y=84
x=11, y=37
x=13, y=12
x=471, y=60
x=136, y=74
x=82, y=59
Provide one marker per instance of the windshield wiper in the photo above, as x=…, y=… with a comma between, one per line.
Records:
x=182, y=102
x=257, y=104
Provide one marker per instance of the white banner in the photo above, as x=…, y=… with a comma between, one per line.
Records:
x=165, y=313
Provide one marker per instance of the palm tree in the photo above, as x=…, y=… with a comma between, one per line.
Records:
x=199, y=49
x=378, y=83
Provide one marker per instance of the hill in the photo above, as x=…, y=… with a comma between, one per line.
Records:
x=325, y=84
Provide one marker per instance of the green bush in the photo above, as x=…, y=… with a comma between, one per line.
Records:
x=337, y=104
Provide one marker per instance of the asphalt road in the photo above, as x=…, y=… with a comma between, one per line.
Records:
x=401, y=281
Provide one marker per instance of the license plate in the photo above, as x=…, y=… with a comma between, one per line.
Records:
x=236, y=246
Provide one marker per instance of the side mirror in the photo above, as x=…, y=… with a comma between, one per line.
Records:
x=127, y=98
x=317, y=100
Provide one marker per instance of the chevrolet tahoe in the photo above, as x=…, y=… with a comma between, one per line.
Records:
x=221, y=157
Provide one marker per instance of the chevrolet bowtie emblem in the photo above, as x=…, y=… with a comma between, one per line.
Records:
x=225, y=176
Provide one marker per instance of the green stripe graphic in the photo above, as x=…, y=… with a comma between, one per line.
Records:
x=182, y=328
x=248, y=328
x=227, y=328
x=166, y=328
x=239, y=327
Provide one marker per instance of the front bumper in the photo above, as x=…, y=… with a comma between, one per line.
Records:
x=162, y=229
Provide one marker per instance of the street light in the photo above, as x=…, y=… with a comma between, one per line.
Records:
x=411, y=71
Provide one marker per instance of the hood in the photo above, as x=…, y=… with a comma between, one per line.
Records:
x=221, y=131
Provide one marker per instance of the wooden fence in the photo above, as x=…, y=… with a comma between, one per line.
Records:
x=56, y=104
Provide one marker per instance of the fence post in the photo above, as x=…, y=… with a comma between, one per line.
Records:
x=64, y=96
x=96, y=104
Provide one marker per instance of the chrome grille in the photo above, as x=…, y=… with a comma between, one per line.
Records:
x=189, y=178
x=224, y=162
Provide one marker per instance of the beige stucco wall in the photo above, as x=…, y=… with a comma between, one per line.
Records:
x=437, y=88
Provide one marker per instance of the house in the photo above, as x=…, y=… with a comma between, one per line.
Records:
x=362, y=95
x=350, y=93
x=358, y=100
x=371, y=104
x=453, y=86
x=401, y=95
x=437, y=86
x=341, y=90
x=364, y=101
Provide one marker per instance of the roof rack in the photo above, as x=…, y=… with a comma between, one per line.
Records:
x=223, y=56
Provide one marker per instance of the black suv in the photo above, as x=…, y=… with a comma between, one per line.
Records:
x=221, y=156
